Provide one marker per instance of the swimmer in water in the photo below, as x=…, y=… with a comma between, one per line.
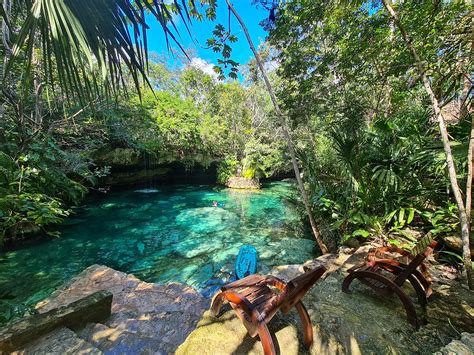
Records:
x=215, y=203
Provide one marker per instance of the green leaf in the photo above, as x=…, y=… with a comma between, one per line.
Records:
x=401, y=216
x=411, y=215
x=361, y=233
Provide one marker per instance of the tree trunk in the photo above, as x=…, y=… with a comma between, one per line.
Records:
x=286, y=132
x=463, y=218
x=470, y=165
x=464, y=111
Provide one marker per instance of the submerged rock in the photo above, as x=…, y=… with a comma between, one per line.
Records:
x=207, y=219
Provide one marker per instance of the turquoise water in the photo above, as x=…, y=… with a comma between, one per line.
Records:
x=172, y=233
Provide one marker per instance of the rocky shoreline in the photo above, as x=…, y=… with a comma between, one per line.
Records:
x=146, y=317
x=360, y=322
x=151, y=318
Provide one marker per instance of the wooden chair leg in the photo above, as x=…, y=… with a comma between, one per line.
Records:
x=216, y=304
x=420, y=293
x=347, y=282
x=422, y=300
x=266, y=339
x=307, y=325
x=409, y=308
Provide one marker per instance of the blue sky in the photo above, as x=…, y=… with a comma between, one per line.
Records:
x=241, y=53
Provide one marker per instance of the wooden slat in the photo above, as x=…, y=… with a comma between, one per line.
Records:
x=257, y=293
x=263, y=298
x=247, y=281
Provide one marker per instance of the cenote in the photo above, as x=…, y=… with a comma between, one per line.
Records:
x=172, y=233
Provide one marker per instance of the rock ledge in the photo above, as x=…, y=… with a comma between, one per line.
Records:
x=242, y=183
x=146, y=317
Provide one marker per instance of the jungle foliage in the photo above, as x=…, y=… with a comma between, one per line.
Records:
x=188, y=117
x=373, y=159
x=76, y=84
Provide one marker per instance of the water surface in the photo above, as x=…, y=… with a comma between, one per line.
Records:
x=172, y=233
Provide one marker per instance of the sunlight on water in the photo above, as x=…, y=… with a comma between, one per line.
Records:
x=174, y=234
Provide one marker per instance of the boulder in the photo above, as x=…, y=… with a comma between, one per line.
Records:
x=153, y=317
x=236, y=182
x=454, y=242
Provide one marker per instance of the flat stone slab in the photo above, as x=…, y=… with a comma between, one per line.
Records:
x=359, y=322
x=162, y=315
x=61, y=341
x=92, y=308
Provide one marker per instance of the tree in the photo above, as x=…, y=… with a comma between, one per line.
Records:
x=366, y=140
x=463, y=217
x=285, y=130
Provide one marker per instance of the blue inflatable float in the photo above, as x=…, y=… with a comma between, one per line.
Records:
x=246, y=263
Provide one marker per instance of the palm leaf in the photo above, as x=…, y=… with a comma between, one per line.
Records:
x=78, y=38
x=4, y=16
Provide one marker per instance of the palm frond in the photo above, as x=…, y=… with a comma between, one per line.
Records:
x=77, y=38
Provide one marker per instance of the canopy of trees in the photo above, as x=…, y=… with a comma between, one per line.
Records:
x=372, y=103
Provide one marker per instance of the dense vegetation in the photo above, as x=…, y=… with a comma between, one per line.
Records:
x=189, y=118
x=374, y=158
x=358, y=88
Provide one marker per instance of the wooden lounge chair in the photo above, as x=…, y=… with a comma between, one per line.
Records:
x=386, y=275
x=256, y=299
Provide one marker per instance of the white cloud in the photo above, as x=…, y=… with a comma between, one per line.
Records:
x=204, y=66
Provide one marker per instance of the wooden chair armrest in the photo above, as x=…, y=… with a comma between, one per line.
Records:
x=387, y=262
x=384, y=262
x=251, y=280
x=239, y=300
x=429, y=249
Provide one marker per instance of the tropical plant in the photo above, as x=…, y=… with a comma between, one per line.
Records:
x=354, y=70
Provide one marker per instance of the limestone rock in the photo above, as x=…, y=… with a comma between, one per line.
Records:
x=60, y=341
x=464, y=346
x=93, y=308
x=454, y=242
x=359, y=322
x=118, y=157
x=236, y=182
x=118, y=341
x=161, y=316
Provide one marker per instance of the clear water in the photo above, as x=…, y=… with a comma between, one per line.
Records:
x=172, y=233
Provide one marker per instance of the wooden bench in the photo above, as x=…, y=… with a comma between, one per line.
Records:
x=256, y=299
x=386, y=270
